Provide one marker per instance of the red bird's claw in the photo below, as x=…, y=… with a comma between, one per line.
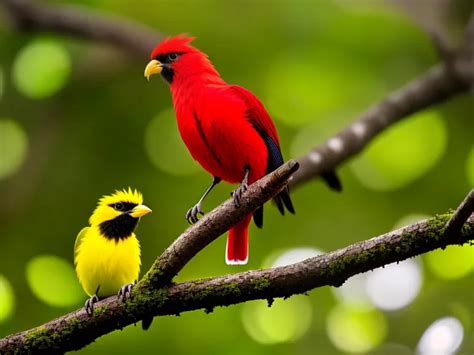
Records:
x=89, y=305
x=237, y=194
x=192, y=216
x=125, y=292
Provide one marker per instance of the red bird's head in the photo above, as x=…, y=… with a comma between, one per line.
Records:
x=176, y=60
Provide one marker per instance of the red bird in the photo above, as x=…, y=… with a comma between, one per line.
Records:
x=225, y=127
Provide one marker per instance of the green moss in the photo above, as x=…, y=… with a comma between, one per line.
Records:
x=145, y=298
x=73, y=324
x=99, y=310
x=230, y=289
x=466, y=229
x=38, y=339
x=37, y=332
x=43, y=338
x=261, y=283
x=152, y=276
x=439, y=221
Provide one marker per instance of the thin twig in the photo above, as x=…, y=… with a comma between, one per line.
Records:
x=133, y=38
x=460, y=216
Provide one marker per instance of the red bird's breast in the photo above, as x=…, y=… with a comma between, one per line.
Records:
x=213, y=123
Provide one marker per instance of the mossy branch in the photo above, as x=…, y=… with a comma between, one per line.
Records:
x=75, y=330
x=214, y=224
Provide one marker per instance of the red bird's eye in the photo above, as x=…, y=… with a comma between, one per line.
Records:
x=173, y=56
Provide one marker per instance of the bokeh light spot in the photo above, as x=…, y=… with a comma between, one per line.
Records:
x=165, y=148
x=7, y=299
x=353, y=291
x=304, y=140
x=394, y=286
x=444, y=336
x=286, y=321
x=41, y=68
x=470, y=167
x=404, y=153
x=52, y=280
x=303, y=88
x=295, y=255
x=13, y=147
x=356, y=329
x=451, y=263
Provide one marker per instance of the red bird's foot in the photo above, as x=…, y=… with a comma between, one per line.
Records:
x=89, y=305
x=193, y=213
x=125, y=292
x=237, y=194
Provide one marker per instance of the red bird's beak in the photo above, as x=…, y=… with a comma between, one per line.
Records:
x=154, y=67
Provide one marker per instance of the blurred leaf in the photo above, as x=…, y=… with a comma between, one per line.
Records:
x=41, y=68
x=404, y=153
x=52, y=279
x=284, y=322
x=355, y=329
x=7, y=299
x=13, y=147
x=304, y=88
x=451, y=263
x=165, y=147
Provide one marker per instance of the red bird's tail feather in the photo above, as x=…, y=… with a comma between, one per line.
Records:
x=237, y=249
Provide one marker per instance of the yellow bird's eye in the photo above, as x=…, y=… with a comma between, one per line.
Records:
x=119, y=206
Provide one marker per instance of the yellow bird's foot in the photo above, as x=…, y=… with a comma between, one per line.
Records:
x=125, y=292
x=89, y=305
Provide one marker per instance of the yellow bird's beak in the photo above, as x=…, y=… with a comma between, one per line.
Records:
x=139, y=211
x=154, y=67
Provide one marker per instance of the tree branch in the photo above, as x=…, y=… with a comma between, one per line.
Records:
x=77, y=329
x=132, y=38
x=462, y=213
x=214, y=224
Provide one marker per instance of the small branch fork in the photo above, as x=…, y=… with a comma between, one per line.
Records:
x=155, y=295
x=461, y=215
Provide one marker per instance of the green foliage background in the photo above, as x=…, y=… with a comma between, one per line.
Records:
x=78, y=120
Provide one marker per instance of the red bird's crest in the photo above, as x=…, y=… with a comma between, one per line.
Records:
x=179, y=43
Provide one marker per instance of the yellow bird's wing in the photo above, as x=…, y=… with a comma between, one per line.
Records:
x=78, y=242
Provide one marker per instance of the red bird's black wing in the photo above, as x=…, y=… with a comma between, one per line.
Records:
x=256, y=113
x=263, y=124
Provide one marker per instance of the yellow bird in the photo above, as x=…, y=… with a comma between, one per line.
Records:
x=107, y=253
